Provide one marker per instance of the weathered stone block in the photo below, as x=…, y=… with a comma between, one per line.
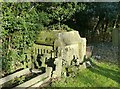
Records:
x=58, y=69
x=69, y=38
x=82, y=49
x=49, y=71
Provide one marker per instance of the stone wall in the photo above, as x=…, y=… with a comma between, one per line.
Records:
x=74, y=46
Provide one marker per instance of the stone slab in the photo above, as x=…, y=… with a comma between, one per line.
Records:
x=32, y=81
x=12, y=76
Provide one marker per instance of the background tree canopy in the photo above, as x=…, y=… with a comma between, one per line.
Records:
x=21, y=23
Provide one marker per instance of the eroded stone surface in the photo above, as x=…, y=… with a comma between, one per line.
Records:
x=58, y=69
x=67, y=49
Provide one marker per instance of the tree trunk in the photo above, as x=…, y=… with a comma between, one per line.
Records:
x=103, y=25
x=95, y=29
x=106, y=26
x=116, y=20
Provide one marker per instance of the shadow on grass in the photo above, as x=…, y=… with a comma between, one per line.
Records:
x=87, y=81
x=109, y=73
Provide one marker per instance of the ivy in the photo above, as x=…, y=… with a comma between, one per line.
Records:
x=20, y=23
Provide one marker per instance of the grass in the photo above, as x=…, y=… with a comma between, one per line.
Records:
x=101, y=75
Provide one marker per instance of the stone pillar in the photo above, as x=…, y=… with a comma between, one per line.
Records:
x=82, y=48
x=49, y=71
x=58, y=69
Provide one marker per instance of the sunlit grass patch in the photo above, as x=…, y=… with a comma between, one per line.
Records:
x=101, y=75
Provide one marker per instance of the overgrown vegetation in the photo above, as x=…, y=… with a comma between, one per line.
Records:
x=21, y=22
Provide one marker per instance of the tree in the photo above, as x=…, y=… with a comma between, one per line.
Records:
x=20, y=24
x=95, y=18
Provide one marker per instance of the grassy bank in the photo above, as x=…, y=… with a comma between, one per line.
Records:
x=101, y=75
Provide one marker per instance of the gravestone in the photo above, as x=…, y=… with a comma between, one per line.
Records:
x=116, y=37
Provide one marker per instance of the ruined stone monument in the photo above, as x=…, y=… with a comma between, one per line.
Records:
x=59, y=50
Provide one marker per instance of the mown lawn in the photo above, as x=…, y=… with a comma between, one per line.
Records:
x=101, y=75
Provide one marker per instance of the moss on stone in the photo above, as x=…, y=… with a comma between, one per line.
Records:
x=47, y=37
